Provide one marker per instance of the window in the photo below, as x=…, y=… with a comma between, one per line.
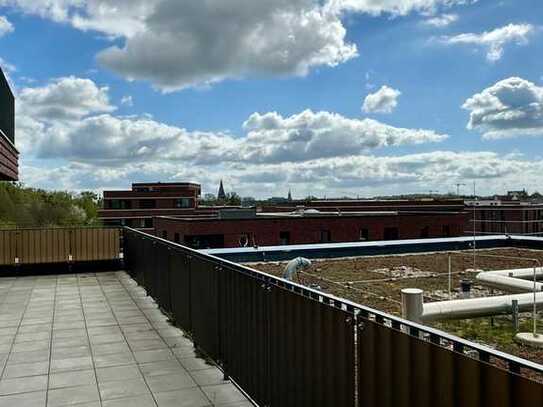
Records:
x=183, y=203
x=446, y=231
x=364, y=234
x=284, y=238
x=147, y=203
x=119, y=204
x=165, y=234
x=176, y=238
x=326, y=236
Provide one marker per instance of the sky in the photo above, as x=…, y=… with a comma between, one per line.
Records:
x=324, y=97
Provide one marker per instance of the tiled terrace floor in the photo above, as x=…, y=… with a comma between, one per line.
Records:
x=92, y=340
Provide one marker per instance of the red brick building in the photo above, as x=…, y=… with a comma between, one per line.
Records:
x=137, y=207
x=248, y=228
x=9, y=156
x=509, y=217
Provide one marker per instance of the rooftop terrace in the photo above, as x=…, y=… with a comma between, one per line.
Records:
x=97, y=339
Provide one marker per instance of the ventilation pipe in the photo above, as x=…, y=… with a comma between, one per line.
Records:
x=295, y=265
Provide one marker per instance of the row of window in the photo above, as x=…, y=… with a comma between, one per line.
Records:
x=145, y=203
x=245, y=239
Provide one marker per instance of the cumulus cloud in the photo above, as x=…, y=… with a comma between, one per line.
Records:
x=189, y=43
x=68, y=98
x=5, y=26
x=442, y=20
x=494, y=41
x=175, y=44
x=311, y=151
x=73, y=119
x=509, y=108
x=384, y=100
x=309, y=135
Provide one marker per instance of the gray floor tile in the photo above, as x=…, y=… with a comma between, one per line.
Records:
x=29, y=357
x=161, y=368
x=118, y=359
x=26, y=369
x=80, y=363
x=36, y=399
x=71, y=379
x=177, y=381
x=153, y=355
x=123, y=389
x=139, y=401
x=23, y=385
x=192, y=397
x=118, y=373
x=72, y=395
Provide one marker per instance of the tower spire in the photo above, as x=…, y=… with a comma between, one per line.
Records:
x=221, y=196
x=289, y=195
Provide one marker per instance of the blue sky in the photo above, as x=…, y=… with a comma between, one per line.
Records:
x=111, y=92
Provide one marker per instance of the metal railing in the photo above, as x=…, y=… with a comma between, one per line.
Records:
x=288, y=345
x=58, y=245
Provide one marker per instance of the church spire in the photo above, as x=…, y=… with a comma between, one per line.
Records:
x=221, y=196
x=289, y=195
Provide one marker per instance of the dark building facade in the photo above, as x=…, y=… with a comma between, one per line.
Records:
x=9, y=156
x=137, y=207
x=504, y=217
x=306, y=227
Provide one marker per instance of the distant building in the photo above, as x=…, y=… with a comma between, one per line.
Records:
x=137, y=207
x=507, y=216
x=305, y=226
x=9, y=156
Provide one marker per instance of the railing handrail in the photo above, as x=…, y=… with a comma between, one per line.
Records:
x=31, y=228
x=350, y=305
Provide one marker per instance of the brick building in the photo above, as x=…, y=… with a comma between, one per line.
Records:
x=249, y=228
x=9, y=156
x=137, y=207
x=509, y=217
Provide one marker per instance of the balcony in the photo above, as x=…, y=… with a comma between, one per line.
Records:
x=172, y=323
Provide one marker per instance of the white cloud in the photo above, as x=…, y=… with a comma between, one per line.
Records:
x=509, y=108
x=309, y=135
x=175, y=44
x=494, y=41
x=442, y=20
x=384, y=100
x=5, y=26
x=394, y=7
x=70, y=118
x=68, y=98
x=127, y=101
x=187, y=43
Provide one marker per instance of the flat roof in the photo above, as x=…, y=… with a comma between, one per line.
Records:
x=97, y=339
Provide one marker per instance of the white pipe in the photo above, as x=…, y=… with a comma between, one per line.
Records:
x=295, y=265
x=479, y=307
x=512, y=280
